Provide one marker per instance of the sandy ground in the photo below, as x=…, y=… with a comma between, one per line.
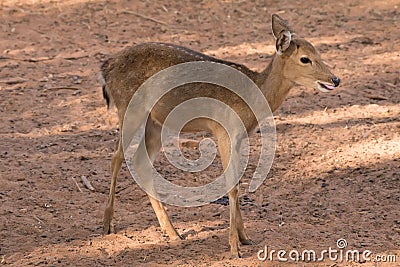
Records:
x=336, y=171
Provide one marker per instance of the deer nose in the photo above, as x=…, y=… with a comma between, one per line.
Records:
x=336, y=81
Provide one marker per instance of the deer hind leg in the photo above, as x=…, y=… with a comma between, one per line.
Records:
x=153, y=145
x=163, y=219
x=108, y=226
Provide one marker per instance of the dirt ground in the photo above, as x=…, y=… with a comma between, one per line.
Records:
x=336, y=170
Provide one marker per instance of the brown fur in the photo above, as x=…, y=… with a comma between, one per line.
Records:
x=124, y=73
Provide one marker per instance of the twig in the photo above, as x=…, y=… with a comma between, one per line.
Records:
x=77, y=185
x=39, y=59
x=144, y=17
x=37, y=219
x=164, y=8
x=87, y=183
x=75, y=57
x=61, y=88
x=376, y=97
x=29, y=59
x=123, y=188
x=392, y=85
x=16, y=80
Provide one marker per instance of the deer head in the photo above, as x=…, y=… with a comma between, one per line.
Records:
x=301, y=62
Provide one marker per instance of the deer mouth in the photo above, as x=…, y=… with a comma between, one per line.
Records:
x=325, y=87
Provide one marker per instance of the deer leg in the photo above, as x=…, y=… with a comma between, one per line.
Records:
x=153, y=145
x=233, y=228
x=163, y=219
x=108, y=226
x=243, y=237
x=236, y=228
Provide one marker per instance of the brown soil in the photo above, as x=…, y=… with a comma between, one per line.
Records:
x=336, y=171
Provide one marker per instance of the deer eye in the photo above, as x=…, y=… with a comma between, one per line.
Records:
x=305, y=60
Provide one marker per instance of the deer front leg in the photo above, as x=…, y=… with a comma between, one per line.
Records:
x=236, y=229
x=243, y=237
x=233, y=227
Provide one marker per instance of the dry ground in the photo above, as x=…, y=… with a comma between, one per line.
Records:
x=336, y=171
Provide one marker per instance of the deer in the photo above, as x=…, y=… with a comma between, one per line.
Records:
x=295, y=62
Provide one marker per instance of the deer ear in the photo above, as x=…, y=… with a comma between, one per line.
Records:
x=279, y=25
x=283, y=42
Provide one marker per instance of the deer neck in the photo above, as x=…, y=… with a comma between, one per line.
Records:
x=273, y=84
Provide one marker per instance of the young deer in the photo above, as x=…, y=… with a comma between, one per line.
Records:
x=296, y=62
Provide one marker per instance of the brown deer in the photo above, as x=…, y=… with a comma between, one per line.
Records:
x=296, y=61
